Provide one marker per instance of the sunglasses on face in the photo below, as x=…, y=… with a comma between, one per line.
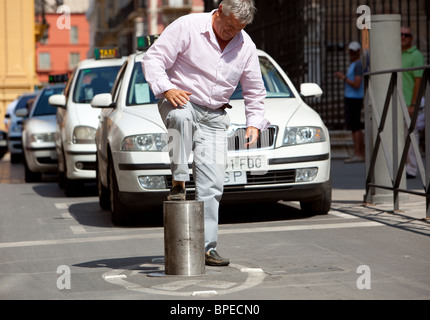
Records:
x=407, y=35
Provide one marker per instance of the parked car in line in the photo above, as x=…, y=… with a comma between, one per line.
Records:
x=3, y=143
x=15, y=127
x=77, y=121
x=38, y=135
x=291, y=161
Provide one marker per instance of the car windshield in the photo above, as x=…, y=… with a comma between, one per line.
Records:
x=94, y=81
x=43, y=107
x=22, y=103
x=276, y=87
x=138, y=89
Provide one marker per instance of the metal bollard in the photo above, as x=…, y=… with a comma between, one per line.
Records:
x=184, y=238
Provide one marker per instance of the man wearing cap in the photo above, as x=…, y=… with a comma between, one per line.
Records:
x=354, y=93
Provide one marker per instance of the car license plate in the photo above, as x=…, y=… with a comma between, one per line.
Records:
x=247, y=163
x=235, y=177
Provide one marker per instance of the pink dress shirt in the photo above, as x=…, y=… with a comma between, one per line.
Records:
x=187, y=56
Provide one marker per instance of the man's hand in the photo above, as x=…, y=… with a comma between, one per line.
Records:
x=177, y=97
x=252, y=133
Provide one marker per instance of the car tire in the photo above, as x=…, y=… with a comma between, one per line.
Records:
x=319, y=206
x=29, y=175
x=72, y=188
x=119, y=212
x=103, y=192
x=15, y=158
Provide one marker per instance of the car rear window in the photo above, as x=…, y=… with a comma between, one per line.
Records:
x=93, y=81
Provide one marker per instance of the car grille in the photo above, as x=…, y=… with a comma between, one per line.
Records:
x=271, y=177
x=266, y=139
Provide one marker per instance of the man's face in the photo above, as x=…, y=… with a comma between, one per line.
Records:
x=226, y=27
x=406, y=37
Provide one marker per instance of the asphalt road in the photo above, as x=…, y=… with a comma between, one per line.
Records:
x=57, y=248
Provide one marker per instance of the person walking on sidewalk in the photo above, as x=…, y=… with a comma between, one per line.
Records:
x=194, y=68
x=411, y=80
x=354, y=96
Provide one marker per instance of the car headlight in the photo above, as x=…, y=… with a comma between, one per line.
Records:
x=84, y=135
x=145, y=142
x=302, y=135
x=42, y=137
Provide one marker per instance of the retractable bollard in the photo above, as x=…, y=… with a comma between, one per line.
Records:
x=184, y=238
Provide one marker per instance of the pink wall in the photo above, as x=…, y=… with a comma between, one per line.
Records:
x=59, y=44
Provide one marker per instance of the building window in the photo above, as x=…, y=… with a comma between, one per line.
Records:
x=74, y=34
x=74, y=58
x=44, y=61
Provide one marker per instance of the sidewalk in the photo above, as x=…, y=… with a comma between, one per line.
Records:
x=348, y=197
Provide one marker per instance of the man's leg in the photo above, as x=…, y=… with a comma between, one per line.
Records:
x=210, y=152
x=179, y=124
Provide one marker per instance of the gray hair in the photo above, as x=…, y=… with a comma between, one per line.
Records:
x=243, y=10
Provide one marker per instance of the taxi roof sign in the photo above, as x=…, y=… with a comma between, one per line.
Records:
x=144, y=42
x=107, y=53
x=58, y=78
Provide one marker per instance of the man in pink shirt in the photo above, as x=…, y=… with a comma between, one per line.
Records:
x=194, y=68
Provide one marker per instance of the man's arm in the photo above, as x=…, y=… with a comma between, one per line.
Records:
x=162, y=56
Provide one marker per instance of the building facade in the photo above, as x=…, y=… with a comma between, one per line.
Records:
x=17, y=48
x=119, y=23
x=65, y=41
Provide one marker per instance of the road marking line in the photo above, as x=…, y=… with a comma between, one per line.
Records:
x=160, y=234
x=78, y=230
x=67, y=215
x=204, y=293
x=62, y=205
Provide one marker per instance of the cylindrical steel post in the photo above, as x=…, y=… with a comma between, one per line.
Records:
x=184, y=238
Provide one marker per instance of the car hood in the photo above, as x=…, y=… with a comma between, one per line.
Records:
x=274, y=107
x=143, y=118
x=86, y=115
x=41, y=124
x=278, y=111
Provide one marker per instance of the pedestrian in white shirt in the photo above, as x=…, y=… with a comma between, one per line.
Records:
x=194, y=68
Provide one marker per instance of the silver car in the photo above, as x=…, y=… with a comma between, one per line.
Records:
x=15, y=127
x=38, y=135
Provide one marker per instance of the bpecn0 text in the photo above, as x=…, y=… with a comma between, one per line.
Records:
x=240, y=309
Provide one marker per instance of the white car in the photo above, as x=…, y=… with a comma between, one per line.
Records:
x=14, y=136
x=77, y=121
x=291, y=162
x=38, y=134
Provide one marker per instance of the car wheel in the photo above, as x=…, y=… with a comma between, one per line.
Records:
x=320, y=206
x=29, y=175
x=103, y=192
x=15, y=158
x=118, y=210
x=71, y=187
x=60, y=174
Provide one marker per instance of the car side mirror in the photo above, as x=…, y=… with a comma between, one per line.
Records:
x=103, y=100
x=23, y=112
x=310, y=90
x=57, y=100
